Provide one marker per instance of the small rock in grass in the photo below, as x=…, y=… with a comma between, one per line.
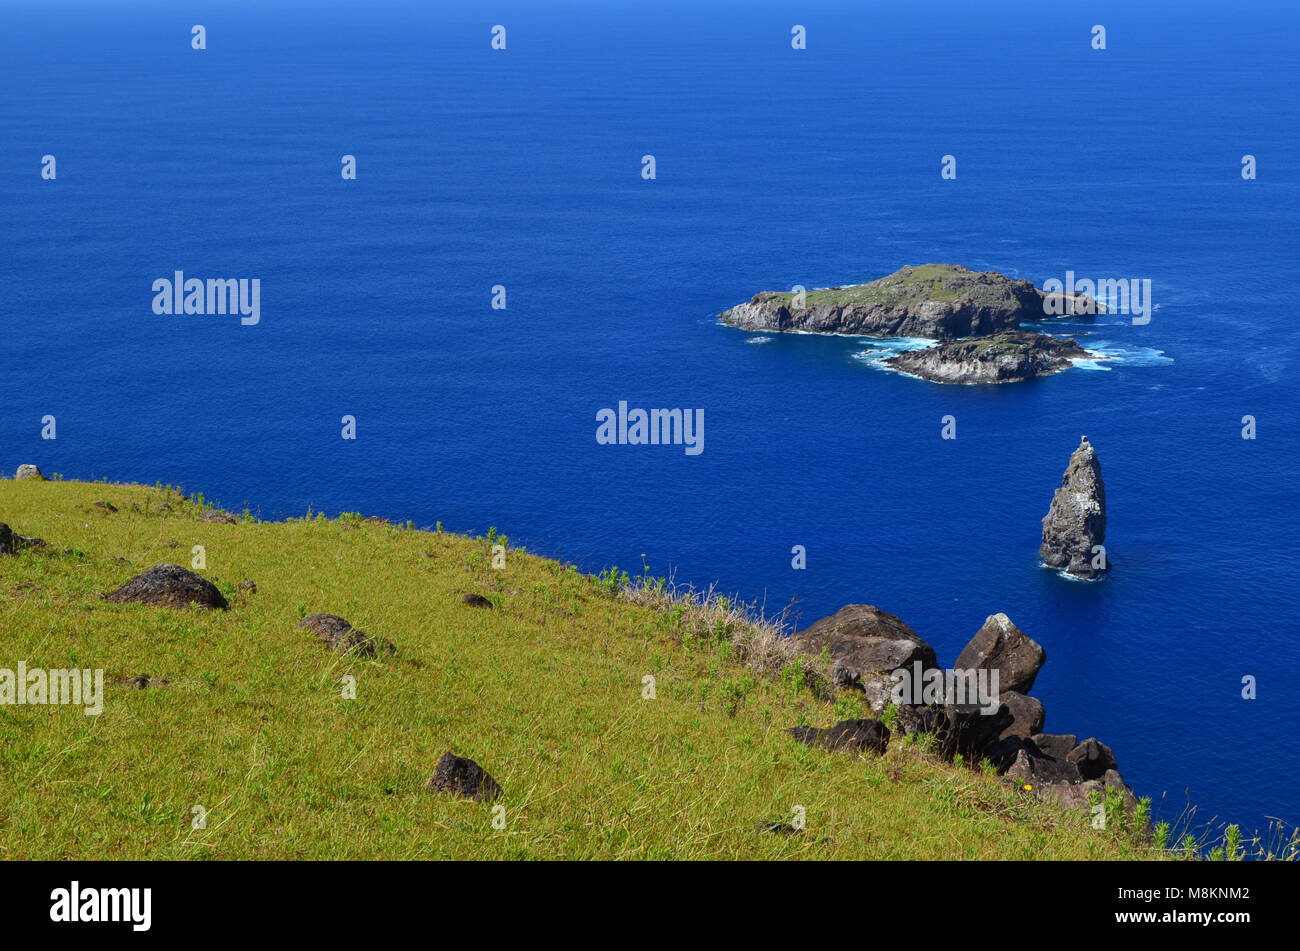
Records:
x=337, y=634
x=463, y=777
x=862, y=735
x=142, y=682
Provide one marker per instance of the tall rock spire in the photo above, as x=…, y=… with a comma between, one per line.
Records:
x=1075, y=525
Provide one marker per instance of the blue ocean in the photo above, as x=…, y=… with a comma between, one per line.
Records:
x=522, y=169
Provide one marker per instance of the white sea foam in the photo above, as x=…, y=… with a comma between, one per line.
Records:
x=759, y=340
x=1130, y=356
x=1088, y=363
x=1062, y=573
x=881, y=349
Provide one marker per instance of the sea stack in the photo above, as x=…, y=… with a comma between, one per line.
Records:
x=1074, y=528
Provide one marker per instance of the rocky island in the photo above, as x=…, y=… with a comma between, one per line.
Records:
x=1074, y=527
x=1005, y=357
x=975, y=316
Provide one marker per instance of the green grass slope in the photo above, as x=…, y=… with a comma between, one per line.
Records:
x=544, y=690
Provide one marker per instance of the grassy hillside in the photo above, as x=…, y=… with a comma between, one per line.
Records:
x=544, y=690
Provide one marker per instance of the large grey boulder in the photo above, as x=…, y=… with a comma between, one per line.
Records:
x=29, y=471
x=1075, y=522
x=1027, y=713
x=865, y=645
x=1000, y=645
x=1094, y=758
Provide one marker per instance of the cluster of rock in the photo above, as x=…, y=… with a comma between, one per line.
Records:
x=1074, y=527
x=943, y=302
x=863, y=646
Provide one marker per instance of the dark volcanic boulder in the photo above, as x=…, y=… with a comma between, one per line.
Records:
x=1000, y=645
x=1054, y=745
x=864, y=735
x=1075, y=795
x=170, y=586
x=1075, y=522
x=1027, y=715
x=1047, y=780
x=920, y=718
x=11, y=542
x=970, y=729
x=464, y=778
x=1093, y=758
x=337, y=634
x=1080, y=794
x=475, y=601
x=865, y=645
x=1004, y=751
x=1042, y=770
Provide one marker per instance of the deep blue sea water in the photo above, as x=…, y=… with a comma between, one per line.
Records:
x=775, y=167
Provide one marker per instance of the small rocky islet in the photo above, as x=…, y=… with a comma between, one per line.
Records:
x=1074, y=528
x=973, y=316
